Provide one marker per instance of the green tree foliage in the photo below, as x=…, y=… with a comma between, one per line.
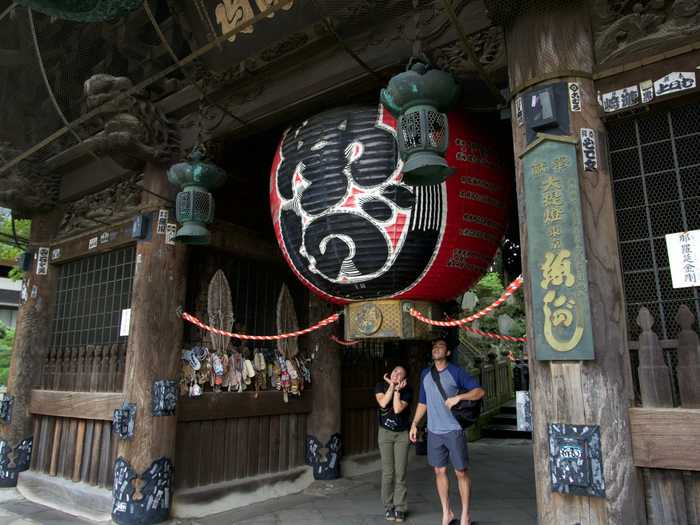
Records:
x=7, y=337
x=487, y=290
x=8, y=250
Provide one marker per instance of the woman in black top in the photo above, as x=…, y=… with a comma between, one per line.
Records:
x=393, y=398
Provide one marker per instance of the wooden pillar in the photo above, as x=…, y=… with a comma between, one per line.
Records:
x=143, y=471
x=549, y=43
x=324, y=441
x=30, y=350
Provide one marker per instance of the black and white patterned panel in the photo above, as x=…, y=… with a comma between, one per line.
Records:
x=164, y=397
x=9, y=469
x=6, y=408
x=123, y=421
x=575, y=460
x=324, y=460
x=152, y=504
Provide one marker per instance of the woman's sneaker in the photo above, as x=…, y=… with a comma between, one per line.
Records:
x=390, y=514
x=399, y=516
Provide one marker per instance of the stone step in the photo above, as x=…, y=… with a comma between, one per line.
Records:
x=504, y=419
x=505, y=432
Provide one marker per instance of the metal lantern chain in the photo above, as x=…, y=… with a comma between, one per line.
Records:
x=195, y=204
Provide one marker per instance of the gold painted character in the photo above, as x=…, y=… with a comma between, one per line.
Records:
x=538, y=168
x=561, y=163
x=552, y=215
x=556, y=270
x=561, y=315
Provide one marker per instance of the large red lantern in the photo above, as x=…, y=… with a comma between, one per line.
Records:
x=351, y=230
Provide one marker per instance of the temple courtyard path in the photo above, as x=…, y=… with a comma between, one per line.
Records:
x=503, y=494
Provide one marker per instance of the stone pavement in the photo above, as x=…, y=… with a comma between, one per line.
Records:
x=503, y=493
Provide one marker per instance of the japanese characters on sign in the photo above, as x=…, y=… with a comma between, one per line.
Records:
x=42, y=261
x=170, y=231
x=620, y=99
x=232, y=13
x=684, y=258
x=162, y=221
x=575, y=96
x=647, y=90
x=556, y=256
x=589, y=150
x=674, y=82
x=519, y=111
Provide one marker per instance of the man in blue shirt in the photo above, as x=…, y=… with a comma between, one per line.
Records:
x=446, y=439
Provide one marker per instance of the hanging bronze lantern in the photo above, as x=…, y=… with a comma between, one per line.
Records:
x=83, y=10
x=194, y=206
x=419, y=98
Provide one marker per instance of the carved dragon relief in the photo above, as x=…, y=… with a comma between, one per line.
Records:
x=27, y=187
x=488, y=45
x=134, y=131
x=121, y=199
x=622, y=28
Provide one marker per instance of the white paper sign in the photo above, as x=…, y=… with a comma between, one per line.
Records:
x=170, y=231
x=162, y=222
x=42, y=261
x=126, y=321
x=575, y=96
x=620, y=99
x=55, y=254
x=647, y=90
x=519, y=111
x=589, y=149
x=674, y=82
x=684, y=258
x=92, y=243
x=104, y=238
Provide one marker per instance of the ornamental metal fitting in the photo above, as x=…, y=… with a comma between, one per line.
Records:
x=419, y=98
x=6, y=408
x=164, y=397
x=194, y=207
x=124, y=420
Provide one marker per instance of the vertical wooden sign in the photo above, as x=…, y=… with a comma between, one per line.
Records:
x=556, y=255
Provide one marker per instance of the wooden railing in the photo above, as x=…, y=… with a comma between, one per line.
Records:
x=664, y=438
x=88, y=368
x=496, y=378
x=73, y=436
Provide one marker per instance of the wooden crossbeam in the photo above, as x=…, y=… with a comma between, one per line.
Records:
x=666, y=438
x=78, y=405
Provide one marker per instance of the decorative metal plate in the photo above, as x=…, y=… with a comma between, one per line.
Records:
x=123, y=421
x=164, y=397
x=575, y=460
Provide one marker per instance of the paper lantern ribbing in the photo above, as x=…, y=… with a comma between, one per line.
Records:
x=351, y=230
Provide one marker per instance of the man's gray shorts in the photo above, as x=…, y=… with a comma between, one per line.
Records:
x=451, y=446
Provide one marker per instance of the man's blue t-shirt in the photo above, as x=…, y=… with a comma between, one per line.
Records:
x=453, y=379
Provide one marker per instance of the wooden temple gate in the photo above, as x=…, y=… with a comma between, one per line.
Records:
x=633, y=68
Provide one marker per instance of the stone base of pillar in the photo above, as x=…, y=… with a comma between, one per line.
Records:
x=324, y=459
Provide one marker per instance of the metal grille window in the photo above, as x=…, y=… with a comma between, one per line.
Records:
x=655, y=164
x=92, y=292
